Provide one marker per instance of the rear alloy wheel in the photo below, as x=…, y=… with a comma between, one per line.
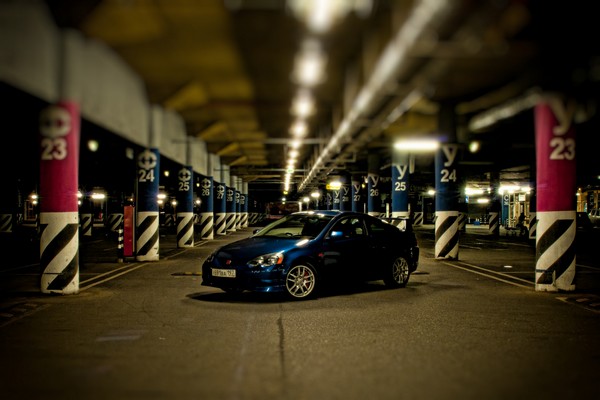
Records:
x=397, y=275
x=300, y=281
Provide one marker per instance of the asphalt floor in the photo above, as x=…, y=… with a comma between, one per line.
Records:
x=473, y=328
x=508, y=254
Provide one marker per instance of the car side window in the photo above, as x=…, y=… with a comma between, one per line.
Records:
x=357, y=227
x=382, y=231
x=349, y=227
x=377, y=230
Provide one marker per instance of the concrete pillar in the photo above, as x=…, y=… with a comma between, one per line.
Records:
x=556, y=186
x=147, y=225
x=244, y=205
x=357, y=194
x=345, y=193
x=206, y=208
x=220, y=205
x=446, y=188
x=373, y=197
x=185, y=207
x=495, y=205
x=59, y=210
x=400, y=184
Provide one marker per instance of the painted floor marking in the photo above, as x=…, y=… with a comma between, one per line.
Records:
x=490, y=276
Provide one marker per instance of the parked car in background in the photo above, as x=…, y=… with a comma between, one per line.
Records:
x=305, y=251
x=583, y=221
x=594, y=216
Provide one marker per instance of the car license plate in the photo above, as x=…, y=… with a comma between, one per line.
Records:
x=223, y=273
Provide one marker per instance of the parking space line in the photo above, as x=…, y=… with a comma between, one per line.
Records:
x=111, y=277
x=586, y=302
x=19, y=311
x=497, y=273
x=588, y=267
x=488, y=274
x=104, y=274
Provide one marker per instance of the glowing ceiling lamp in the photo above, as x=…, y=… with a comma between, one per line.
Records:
x=309, y=68
x=321, y=15
x=417, y=144
x=299, y=129
x=303, y=104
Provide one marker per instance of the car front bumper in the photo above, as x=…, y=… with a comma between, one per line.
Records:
x=256, y=279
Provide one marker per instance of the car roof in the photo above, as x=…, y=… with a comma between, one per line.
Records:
x=332, y=213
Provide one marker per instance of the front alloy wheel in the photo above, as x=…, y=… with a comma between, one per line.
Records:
x=398, y=273
x=300, y=281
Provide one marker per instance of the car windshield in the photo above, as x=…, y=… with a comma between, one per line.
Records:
x=297, y=225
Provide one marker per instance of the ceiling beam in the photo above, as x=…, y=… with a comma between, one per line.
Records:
x=229, y=149
x=214, y=129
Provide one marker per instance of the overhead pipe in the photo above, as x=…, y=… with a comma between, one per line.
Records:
x=424, y=16
x=509, y=109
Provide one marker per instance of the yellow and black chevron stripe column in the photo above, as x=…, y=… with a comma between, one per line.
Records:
x=446, y=201
x=462, y=221
x=185, y=207
x=446, y=234
x=238, y=210
x=6, y=223
x=555, y=251
x=221, y=223
x=253, y=218
x=206, y=225
x=532, y=216
x=494, y=223
x=59, y=252
x=147, y=236
x=185, y=229
x=207, y=207
x=114, y=221
x=147, y=220
x=86, y=225
x=229, y=223
x=418, y=218
x=533, y=222
x=230, y=210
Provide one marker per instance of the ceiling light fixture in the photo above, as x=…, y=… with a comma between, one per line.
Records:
x=310, y=64
x=417, y=144
x=334, y=185
x=321, y=15
x=299, y=129
x=293, y=154
x=303, y=104
x=474, y=146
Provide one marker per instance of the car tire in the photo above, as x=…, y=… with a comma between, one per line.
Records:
x=398, y=273
x=300, y=281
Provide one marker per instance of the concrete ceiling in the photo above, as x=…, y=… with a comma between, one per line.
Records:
x=225, y=66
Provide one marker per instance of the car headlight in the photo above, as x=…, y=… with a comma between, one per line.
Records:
x=267, y=260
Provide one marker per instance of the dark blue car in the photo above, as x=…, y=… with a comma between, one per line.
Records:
x=301, y=251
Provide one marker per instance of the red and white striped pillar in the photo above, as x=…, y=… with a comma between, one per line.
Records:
x=59, y=214
x=555, y=191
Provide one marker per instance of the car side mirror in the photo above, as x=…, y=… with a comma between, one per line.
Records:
x=336, y=234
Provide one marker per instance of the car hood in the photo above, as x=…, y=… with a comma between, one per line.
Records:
x=256, y=246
